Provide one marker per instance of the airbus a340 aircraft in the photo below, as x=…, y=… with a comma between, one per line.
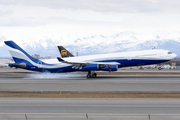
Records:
x=90, y=63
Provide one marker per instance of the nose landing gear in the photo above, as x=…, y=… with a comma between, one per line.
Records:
x=91, y=74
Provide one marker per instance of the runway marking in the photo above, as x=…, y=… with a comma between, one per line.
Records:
x=112, y=114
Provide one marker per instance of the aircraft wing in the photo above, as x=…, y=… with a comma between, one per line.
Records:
x=81, y=64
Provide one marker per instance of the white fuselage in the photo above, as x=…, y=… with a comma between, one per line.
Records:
x=155, y=54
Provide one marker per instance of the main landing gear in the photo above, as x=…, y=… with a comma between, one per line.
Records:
x=91, y=74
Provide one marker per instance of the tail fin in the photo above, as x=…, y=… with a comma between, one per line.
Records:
x=18, y=54
x=64, y=52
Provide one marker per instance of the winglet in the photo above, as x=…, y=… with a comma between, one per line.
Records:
x=60, y=59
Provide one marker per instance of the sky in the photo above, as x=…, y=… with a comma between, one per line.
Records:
x=26, y=20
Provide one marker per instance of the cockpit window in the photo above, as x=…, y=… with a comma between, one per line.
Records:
x=169, y=52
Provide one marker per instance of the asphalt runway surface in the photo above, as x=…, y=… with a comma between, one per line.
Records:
x=96, y=109
x=81, y=83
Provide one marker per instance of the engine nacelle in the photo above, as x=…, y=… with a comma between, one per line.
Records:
x=90, y=67
x=95, y=67
x=110, y=68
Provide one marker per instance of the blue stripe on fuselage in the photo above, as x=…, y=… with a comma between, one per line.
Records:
x=124, y=63
x=38, y=68
x=134, y=62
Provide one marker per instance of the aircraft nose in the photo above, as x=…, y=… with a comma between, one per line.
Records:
x=174, y=55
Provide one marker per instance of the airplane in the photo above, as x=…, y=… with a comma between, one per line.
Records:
x=3, y=65
x=64, y=53
x=89, y=63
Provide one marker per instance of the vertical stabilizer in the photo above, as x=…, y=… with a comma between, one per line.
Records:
x=64, y=53
x=18, y=54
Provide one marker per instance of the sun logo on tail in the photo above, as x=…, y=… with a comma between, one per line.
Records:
x=63, y=53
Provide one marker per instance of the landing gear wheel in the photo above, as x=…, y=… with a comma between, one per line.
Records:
x=88, y=75
x=91, y=74
x=94, y=75
x=159, y=68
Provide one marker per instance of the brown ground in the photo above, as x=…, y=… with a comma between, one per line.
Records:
x=66, y=94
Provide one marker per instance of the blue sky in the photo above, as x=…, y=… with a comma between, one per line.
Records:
x=26, y=20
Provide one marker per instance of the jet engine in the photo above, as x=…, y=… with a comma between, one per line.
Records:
x=95, y=67
x=110, y=68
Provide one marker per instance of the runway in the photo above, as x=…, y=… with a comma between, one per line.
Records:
x=98, y=109
x=102, y=83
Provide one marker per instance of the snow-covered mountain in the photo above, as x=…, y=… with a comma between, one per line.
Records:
x=95, y=44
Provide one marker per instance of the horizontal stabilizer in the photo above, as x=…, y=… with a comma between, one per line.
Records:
x=21, y=65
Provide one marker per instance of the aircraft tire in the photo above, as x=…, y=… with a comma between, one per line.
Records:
x=88, y=76
x=159, y=68
x=94, y=75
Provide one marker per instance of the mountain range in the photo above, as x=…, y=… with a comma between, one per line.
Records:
x=100, y=44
